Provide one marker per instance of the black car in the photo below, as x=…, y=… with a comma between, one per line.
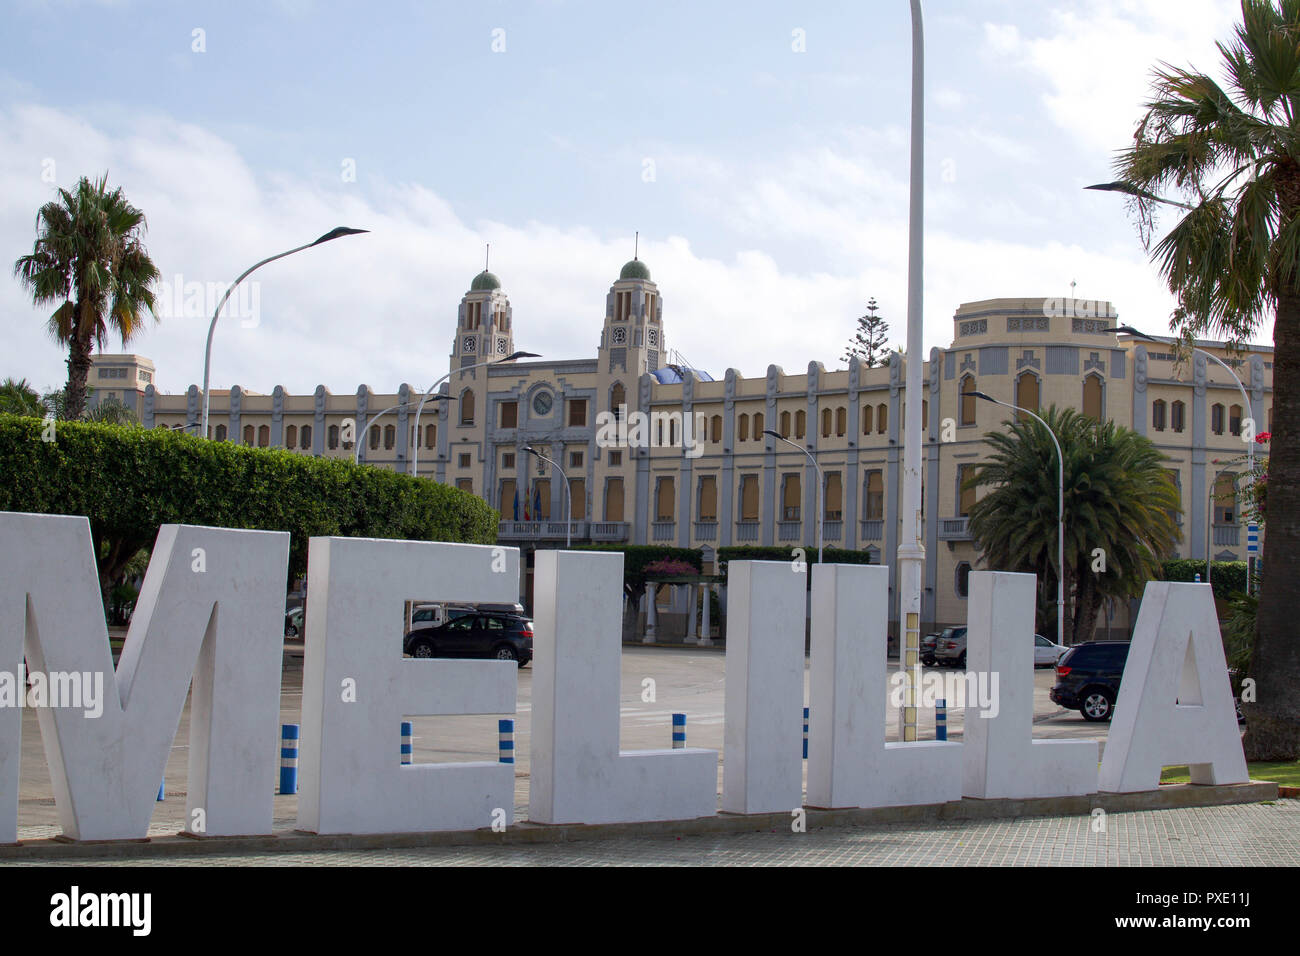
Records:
x=1088, y=677
x=506, y=637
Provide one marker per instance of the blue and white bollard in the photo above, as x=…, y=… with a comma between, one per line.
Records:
x=289, y=758
x=506, y=740
x=805, y=733
x=408, y=732
x=162, y=794
x=679, y=731
x=940, y=719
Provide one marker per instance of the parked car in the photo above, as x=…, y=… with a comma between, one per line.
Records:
x=493, y=634
x=1046, y=654
x=293, y=622
x=950, y=647
x=1088, y=678
x=927, y=648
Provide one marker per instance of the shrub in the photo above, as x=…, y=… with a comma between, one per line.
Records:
x=129, y=480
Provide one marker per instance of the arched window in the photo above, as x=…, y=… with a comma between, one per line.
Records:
x=790, y=497
x=866, y=419
x=1026, y=394
x=1092, y=397
x=333, y=437
x=617, y=399
x=1216, y=418
x=749, y=498
x=665, y=499
x=248, y=435
x=430, y=436
x=291, y=437
x=374, y=438
x=221, y=433
x=707, y=508
x=1178, y=416
x=785, y=424
x=263, y=436
x=834, y=498
x=390, y=437
x=874, y=506
x=614, y=499
x=304, y=438
x=800, y=423
x=1158, y=415
x=882, y=418
x=966, y=412
x=758, y=426
x=1234, y=420
x=466, y=407
x=826, y=423
x=841, y=420
x=742, y=428
x=715, y=428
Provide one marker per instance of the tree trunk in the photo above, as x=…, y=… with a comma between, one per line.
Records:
x=79, y=363
x=1273, y=721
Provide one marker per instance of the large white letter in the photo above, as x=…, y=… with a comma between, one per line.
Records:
x=762, y=766
x=222, y=625
x=1175, y=701
x=578, y=773
x=1002, y=759
x=357, y=688
x=849, y=763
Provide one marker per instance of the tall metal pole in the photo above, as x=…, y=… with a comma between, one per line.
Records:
x=1060, y=511
x=821, y=483
x=212, y=326
x=568, y=511
x=911, y=553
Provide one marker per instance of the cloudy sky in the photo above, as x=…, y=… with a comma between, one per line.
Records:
x=760, y=148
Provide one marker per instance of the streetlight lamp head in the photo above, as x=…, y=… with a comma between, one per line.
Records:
x=337, y=232
x=1129, y=330
x=768, y=431
x=518, y=355
x=987, y=398
x=530, y=449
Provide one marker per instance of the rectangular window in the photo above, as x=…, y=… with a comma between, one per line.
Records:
x=615, y=459
x=834, y=498
x=708, y=507
x=749, y=498
x=875, y=503
x=577, y=413
x=614, y=499
x=790, y=497
x=509, y=414
x=465, y=484
x=508, y=460
x=577, y=499
x=506, y=501
x=464, y=460
x=575, y=459
x=664, y=500
x=965, y=496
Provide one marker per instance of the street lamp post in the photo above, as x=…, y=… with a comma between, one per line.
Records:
x=212, y=326
x=568, y=524
x=821, y=482
x=1060, y=512
x=911, y=553
x=356, y=448
x=1246, y=409
x=415, y=453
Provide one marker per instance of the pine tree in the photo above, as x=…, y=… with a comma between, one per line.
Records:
x=869, y=342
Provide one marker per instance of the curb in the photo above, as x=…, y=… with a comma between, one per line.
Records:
x=1168, y=797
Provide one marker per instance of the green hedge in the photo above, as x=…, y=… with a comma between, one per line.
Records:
x=1227, y=578
x=129, y=480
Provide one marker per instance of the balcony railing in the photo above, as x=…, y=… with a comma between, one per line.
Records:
x=954, y=529
x=746, y=530
x=609, y=530
x=832, y=530
x=706, y=531
x=1227, y=535
x=873, y=530
x=789, y=530
x=662, y=530
x=542, y=530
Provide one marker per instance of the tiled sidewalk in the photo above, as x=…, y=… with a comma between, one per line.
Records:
x=1235, y=835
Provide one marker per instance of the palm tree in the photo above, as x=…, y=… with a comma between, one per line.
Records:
x=1118, y=499
x=89, y=261
x=1234, y=259
x=19, y=398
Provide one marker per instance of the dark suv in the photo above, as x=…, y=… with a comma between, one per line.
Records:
x=1088, y=677
x=504, y=636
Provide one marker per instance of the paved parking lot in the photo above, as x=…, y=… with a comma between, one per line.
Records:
x=688, y=681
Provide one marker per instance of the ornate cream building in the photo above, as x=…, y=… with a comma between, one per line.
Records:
x=736, y=485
